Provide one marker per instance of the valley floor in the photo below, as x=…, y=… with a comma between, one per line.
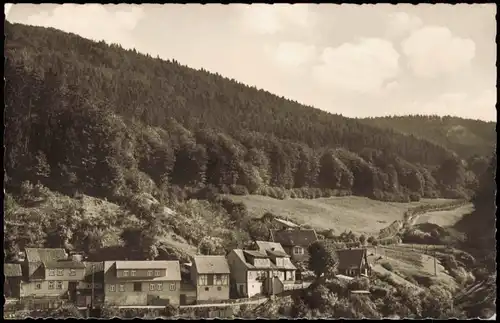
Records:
x=350, y=213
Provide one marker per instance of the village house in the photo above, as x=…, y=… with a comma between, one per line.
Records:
x=142, y=283
x=91, y=284
x=260, y=272
x=49, y=272
x=12, y=281
x=353, y=262
x=295, y=242
x=210, y=275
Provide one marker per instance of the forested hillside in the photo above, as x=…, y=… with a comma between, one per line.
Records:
x=89, y=117
x=464, y=136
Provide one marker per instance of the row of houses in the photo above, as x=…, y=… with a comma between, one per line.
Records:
x=50, y=275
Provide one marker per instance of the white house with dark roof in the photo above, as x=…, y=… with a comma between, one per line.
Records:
x=142, y=283
x=50, y=272
x=263, y=271
x=210, y=275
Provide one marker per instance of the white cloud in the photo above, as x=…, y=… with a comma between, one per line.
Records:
x=476, y=106
x=270, y=19
x=6, y=8
x=361, y=67
x=401, y=23
x=93, y=21
x=293, y=54
x=434, y=51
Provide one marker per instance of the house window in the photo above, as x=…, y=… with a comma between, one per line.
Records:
x=159, y=286
x=125, y=273
x=218, y=280
x=172, y=286
x=52, y=272
x=202, y=280
x=112, y=288
x=59, y=285
x=60, y=272
x=38, y=286
x=72, y=272
x=137, y=287
x=122, y=288
x=157, y=273
x=150, y=273
x=132, y=273
x=51, y=285
x=224, y=280
x=298, y=250
x=151, y=286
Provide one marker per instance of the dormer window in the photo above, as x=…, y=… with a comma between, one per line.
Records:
x=157, y=273
x=150, y=273
x=298, y=250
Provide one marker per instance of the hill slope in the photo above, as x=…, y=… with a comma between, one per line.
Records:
x=464, y=136
x=130, y=123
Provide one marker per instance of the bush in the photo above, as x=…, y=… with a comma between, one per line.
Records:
x=414, y=197
x=238, y=190
x=359, y=283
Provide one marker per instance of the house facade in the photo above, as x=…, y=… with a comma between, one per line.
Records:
x=91, y=285
x=353, y=262
x=12, y=280
x=260, y=272
x=141, y=283
x=295, y=242
x=210, y=276
x=49, y=272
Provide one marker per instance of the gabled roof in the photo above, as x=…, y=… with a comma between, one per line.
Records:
x=38, y=256
x=12, y=270
x=349, y=258
x=297, y=237
x=287, y=264
x=268, y=245
x=63, y=264
x=256, y=253
x=211, y=265
x=93, y=267
x=173, y=268
x=277, y=253
x=45, y=254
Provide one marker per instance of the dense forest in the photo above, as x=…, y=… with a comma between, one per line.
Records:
x=94, y=118
x=464, y=136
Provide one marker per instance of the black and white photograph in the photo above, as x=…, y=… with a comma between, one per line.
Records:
x=250, y=161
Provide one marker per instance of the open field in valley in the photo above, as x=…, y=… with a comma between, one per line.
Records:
x=359, y=214
x=446, y=218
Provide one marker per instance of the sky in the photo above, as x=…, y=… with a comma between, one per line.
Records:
x=354, y=60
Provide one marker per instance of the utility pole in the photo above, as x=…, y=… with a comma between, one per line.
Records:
x=92, y=297
x=435, y=264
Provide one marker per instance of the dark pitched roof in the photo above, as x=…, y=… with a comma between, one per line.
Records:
x=211, y=265
x=277, y=253
x=349, y=258
x=95, y=267
x=12, y=270
x=37, y=256
x=298, y=237
x=256, y=253
x=45, y=254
